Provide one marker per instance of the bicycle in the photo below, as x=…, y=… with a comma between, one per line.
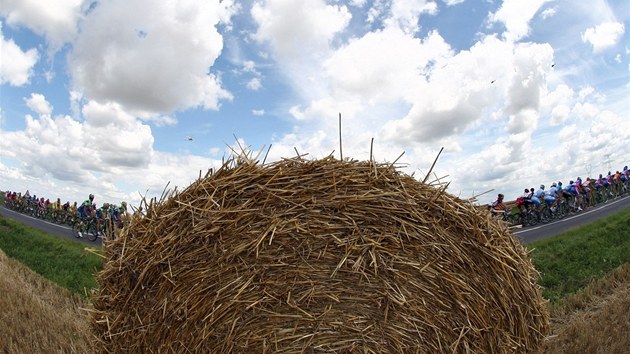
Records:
x=85, y=226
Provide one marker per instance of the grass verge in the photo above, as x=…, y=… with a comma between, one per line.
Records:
x=61, y=261
x=572, y=260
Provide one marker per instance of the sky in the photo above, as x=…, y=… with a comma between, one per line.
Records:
x=127, y=98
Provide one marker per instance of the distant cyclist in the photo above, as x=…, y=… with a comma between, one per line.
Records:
x=498, y=206
x=534, y=198
x=571, y=190
x=551, y=197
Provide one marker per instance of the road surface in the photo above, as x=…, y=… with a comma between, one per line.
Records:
x=529, y=234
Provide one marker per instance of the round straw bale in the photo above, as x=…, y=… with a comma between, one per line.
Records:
x=317, y=256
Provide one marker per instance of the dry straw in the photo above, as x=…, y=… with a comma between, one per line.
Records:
x=316, y=256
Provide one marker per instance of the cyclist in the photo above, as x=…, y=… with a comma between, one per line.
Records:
x=534, y=198
x=572, y=190
x=524, y=200
x=578, y=189
x=608, y=182
x=85, y=208
x=102, y=213
x=498, y=206
x=551, y=197
x=123, y=215
x=586, y=191
x=540, y=193
x=617, y=182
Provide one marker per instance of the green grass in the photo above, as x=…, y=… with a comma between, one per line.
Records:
x=62, y=261
x=570, y=261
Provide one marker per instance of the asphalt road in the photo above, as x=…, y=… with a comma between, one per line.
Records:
x=48, y=227
x=526, y=235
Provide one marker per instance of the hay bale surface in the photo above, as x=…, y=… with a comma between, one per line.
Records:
x=317, y=256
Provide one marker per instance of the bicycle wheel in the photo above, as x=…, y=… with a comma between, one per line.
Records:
x=515, y=219
x=545, y=215
x=92, y=232
x=77, y=228
x=534, y=217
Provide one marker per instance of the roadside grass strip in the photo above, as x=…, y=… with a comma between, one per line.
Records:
x=64, y=262
x=572, y=260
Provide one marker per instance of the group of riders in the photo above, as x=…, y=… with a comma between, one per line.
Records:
x=68, y=213
x=578, y=194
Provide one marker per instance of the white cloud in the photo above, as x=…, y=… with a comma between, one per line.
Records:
x=455, y=93
x=358, y=3
x=524, y=121
x=16, y=66
x=162, y=121
x=453, y=2
x=290, y=26
x=515, y=15
x=558, y=103
x=258, y=112
x=108, y=147
x=618, y=58
x=559, y=114
x=585, y=92
x=55, y=20
x=38, y=104
x=603, y=36
x=254, y=84
x=405, y=14
x=249, y=66
x=531, y=64
x=585, y=110
x=383, y=66
x=549, y=12
x=151, y=57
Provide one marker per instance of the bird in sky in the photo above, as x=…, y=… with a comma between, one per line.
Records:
x=189, y=138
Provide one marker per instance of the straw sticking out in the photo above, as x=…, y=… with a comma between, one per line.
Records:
x=324, y=255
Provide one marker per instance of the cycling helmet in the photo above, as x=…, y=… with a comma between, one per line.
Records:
x=542, y=186
x=123, y=204
x=553, y=184
x=501, y=195
x=91, y=196
x=571, y=182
